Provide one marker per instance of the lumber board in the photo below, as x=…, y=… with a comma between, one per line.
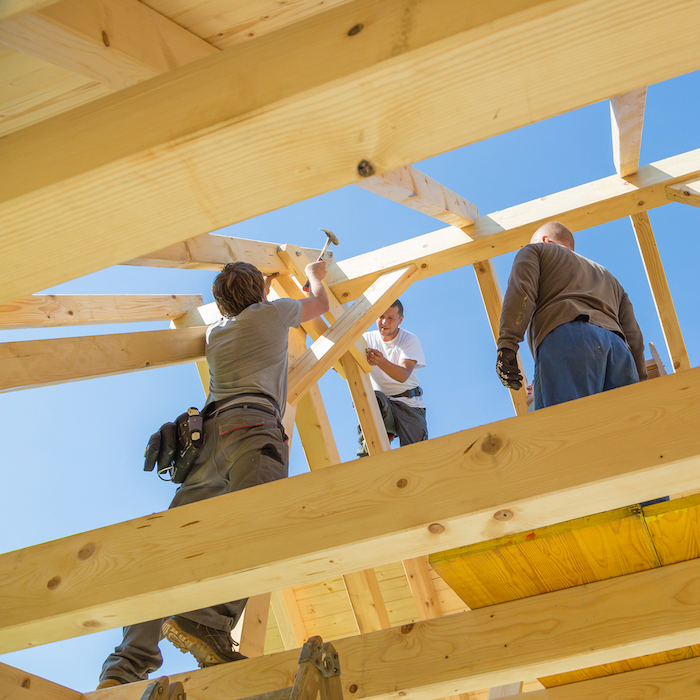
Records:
x=422, y=589
x=288, y=617
x=339, y=337
x=426, y=497
x=20, y=685
x=492, y=297
x=254, y=627
x=366, y=600
x=47, y=310
x=116, y=43
x=660, y=291
x=414, y=189
x=675, y=528
x=493, y=646
x=687, y=193
x=315, y=430
x=505, y=231
x=33, y=363
x=627, y=120
x=141, y=169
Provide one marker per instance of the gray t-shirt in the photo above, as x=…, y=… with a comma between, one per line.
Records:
x=248, y=353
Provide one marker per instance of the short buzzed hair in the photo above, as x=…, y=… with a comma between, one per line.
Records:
x=558, y=233
x=238, y=286
x=398, y=305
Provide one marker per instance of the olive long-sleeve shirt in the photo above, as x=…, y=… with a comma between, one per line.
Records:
x=550, y=285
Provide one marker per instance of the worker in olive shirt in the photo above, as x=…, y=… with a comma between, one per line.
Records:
x=394, y=354
x=581, y=326
x=244, y=445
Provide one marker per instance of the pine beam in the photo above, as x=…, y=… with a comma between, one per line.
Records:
x=338, y=339
x=544, y=468
x=414, y=189
x=254, y=627
x=627, y=120
x=422, y=588
x=40, y=310
x=500, y=644
x=20, y=685
x=366, y=599
x=130, y=168
x=505, y=231
x=288, y=617
x=315, y=430
x=686, y=192
x=660, y=292
x=33, y=363
x=117, y=43
x=493, y=302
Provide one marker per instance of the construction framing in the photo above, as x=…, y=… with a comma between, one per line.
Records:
x=130, y=164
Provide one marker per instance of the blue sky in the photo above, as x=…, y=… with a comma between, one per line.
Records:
x=74, y=462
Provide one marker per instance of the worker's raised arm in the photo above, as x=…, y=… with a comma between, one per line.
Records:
x=317, y=302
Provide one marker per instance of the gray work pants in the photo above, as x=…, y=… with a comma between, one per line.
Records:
x=243, y=446
x=408, y=422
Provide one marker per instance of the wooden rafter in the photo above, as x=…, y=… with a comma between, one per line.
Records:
x=117, y=43
x=26, y=686
x=414, y=189
x=129, y=169
x=38, y=310
x=686, y=192
x=627, y=119
x=496, y=645
x=453, y=487
x=660, y=291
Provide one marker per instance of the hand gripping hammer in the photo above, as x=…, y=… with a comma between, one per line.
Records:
x=330, y=238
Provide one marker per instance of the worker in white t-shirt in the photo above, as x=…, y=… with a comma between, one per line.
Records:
x=394, y=354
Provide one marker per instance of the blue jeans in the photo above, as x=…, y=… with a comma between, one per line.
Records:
x=579, y=359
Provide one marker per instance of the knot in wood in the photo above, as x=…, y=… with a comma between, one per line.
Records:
x=356, y=29
x=53, y=583
x=405, y=629
x=503, y=515
x=402, y=483
x=436, y=528
x=91, y=624
x=27, y=683
x=86, y=551
x=491, y=445
x=353, y=688
x=365, y=168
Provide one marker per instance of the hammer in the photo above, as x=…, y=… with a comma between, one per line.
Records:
x=330, y=238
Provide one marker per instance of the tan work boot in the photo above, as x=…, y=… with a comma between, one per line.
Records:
x=208, y=645
x=109, y=683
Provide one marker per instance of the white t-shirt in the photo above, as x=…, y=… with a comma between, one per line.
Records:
x=405, y=346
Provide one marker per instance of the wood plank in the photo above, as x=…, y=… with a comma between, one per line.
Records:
x=117, y=43
x=494, y=646
x=627, y=120
x=130, y=169
x=366, y=600
x=20, y=685
x=315, y=430
x=414, y=189
x=675, y=528
x=660, y=291
x=422, y=589
x=254, y=628
x=338, y=339
x=433, y=495
x=505, y=231
x=686, y=192
x=16, y=8
x=33, y=363
x=492, y=297
x=41, y=310
x=288, y=618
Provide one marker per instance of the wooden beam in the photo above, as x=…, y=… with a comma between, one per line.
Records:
x=289, y=620
x=254, y=627
x=20, y=685
x=422, y=589
x=33, y=363
x=686, y=192
x=627, y=120
x=117, y=43
x=660, y=291
x=338, y=339
x=505, y=231
x=10, y=9
x=40, y=310
x=492, y=297
x=367, y=602
x=315, y=430
x=129, y=169
x=414, y=189
x=447, y=492
x=567, y=629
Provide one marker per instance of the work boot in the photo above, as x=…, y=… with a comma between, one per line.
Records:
x=208, y=645
x=109, y=683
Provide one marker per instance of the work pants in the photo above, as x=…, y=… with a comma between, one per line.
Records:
x=408, y=422
x=579, y=359
x=243, y=446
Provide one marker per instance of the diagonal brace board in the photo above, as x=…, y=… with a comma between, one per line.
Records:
x=544, y=467
x=336, y=341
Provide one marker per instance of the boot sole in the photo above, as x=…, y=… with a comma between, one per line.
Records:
x=188, y=643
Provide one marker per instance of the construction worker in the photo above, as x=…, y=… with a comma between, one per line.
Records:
x=244, y=445
x=582, y=330
x=394, y=354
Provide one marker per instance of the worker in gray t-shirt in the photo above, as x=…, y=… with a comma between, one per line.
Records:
x=581, y=326
x=244, y=445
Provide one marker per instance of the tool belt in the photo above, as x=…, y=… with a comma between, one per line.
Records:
x=408, y=394
x=217, y=407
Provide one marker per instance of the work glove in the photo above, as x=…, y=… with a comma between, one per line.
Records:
x=507, y=369
x=161, y=449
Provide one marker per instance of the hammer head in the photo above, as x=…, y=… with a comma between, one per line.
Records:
x=332, y=238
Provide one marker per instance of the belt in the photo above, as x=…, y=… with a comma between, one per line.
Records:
x=241, y=401
x=409, y=394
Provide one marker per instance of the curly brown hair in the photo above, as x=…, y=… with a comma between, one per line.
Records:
x=238, y=286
